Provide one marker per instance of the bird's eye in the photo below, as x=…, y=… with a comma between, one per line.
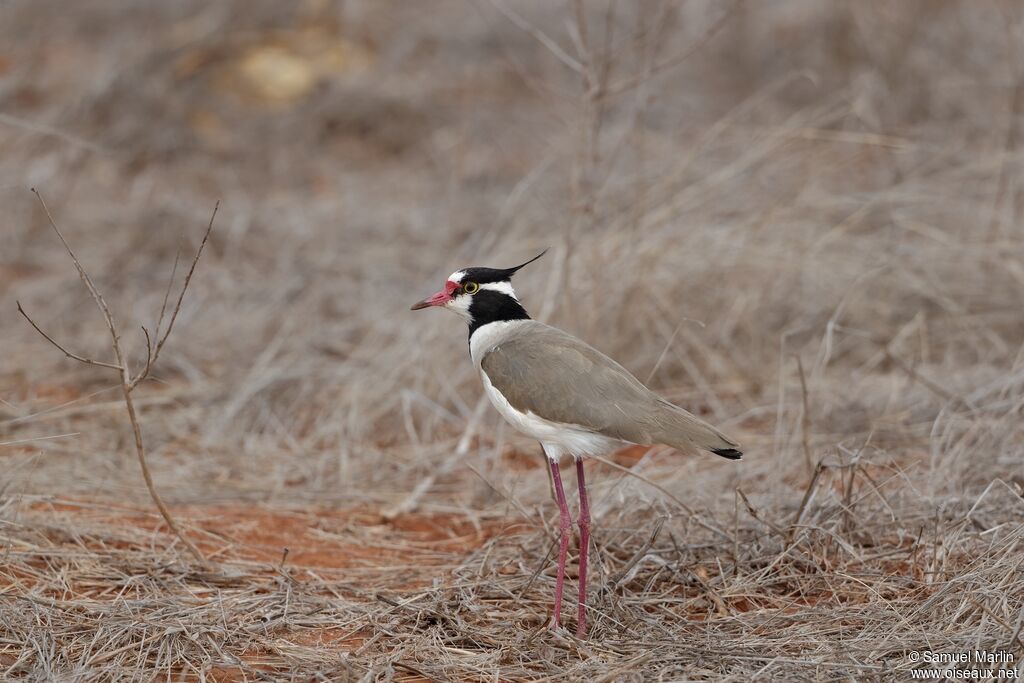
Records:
x=470, y=287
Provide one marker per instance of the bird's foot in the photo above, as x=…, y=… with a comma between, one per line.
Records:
x=556, y=627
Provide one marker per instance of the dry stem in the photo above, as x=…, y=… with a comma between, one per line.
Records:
x=128, y=383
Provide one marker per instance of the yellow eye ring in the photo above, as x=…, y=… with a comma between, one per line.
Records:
x=470, y=288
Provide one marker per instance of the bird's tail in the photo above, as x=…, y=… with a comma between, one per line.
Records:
x=680, y=429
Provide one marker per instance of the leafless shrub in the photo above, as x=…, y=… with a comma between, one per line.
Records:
x=129, y=381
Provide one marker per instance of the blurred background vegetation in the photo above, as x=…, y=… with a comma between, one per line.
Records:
x=799, y=219
x=725, y=185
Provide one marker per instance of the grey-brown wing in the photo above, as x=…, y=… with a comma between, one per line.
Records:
x=562, y=379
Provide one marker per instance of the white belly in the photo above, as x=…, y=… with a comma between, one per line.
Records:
x=556, y=438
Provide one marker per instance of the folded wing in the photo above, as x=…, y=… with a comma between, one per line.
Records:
x=562, y=379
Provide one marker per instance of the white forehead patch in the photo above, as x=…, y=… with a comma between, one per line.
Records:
x=457, y=276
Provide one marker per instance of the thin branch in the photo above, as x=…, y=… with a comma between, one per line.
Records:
x=805, y=415
x=683, y=506
x=100, y=302
x=74, y=356
x=127, y=384
x=578, y=32
x=38, y=438
x=140, y=450
x=149, y=355
x=42, y=129
x=933, y=386
x=709, y=33
x=622, y=574
x=177, y=306
x=167, y=292
x=541, y=37
x=756, y=515
x=819, y=468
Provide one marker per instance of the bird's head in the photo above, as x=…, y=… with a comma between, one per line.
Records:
x=479, y=294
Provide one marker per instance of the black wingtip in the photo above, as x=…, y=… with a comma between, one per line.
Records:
x=730, y=453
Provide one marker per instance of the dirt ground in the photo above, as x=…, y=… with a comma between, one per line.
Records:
x=801, y=221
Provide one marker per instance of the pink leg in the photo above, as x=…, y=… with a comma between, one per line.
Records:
x=564, y=526
x=584, y=522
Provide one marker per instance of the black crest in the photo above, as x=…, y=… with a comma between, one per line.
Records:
x=485, y=275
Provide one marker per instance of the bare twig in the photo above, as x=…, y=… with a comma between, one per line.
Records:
x=805, y=416
x=74, y=356
x=544, y=39
x=152, y=358
x=623, y=574
x=885, y=347
x=167, y=292
x=17, y=442
x=683, y=506
x=808, y=494
x=42, y=129
x=756, y=515
x=675, y=60
x=149, y=349
x=127, y=383
x=932, y=385
x=412, y=501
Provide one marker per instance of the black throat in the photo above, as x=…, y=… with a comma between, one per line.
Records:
x=489, y=306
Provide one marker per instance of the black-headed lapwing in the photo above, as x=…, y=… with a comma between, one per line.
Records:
x=563, y=392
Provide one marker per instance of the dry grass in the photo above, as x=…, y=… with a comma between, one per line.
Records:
x=802, y=221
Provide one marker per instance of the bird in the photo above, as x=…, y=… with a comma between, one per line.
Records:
x=564, y=393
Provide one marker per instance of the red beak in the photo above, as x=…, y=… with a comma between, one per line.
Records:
x=439, y=299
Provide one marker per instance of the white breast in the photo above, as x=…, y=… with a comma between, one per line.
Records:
x=488, y=336
x=556, y=437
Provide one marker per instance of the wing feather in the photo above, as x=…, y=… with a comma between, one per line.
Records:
x=557, y=377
